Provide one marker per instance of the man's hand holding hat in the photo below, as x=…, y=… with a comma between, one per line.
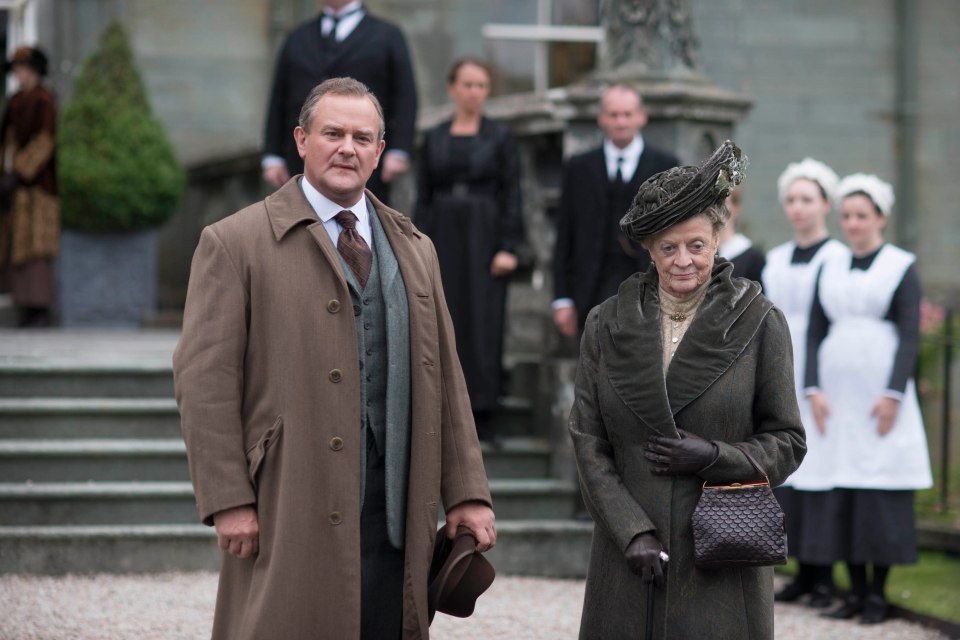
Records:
x=478, y=518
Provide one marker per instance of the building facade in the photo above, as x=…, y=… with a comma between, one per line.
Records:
x=865, y=85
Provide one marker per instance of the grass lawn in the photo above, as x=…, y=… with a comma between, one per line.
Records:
x=931, y=587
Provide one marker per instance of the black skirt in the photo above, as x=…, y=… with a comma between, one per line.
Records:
x=857, y=526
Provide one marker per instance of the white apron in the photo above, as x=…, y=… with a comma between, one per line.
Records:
x=856, y=360
x=790, y=287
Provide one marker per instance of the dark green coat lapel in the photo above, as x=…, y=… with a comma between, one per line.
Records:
x=630, y=343
x=630, y=351
x=726, y=322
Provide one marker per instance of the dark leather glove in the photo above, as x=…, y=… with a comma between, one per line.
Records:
x=688, y=455
x=644, y=559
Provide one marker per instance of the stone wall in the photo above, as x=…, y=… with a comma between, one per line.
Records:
x=822, y=75
x=823, y=78
x=207, y=65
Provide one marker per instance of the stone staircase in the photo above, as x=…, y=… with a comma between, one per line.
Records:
x=93, y=472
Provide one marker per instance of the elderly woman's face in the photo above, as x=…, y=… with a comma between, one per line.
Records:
x=683, y=255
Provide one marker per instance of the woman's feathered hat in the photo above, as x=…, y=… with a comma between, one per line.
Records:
x=876, y=189
x=672, y=196
x=31, y=57
x=811, y=170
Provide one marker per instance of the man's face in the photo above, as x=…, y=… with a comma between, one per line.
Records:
x=342, y=148
x=334, y=5
x=621, y=116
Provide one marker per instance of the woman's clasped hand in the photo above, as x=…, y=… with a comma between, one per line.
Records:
x=673, y=457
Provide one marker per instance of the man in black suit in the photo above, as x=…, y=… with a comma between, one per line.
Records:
x=592, y=256
x=345, y=41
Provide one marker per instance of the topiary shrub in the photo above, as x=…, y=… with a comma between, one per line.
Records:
x=116, y=167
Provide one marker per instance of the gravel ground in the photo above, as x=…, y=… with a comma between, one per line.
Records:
x=180, y=607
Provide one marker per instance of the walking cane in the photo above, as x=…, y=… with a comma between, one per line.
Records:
x=650, y=587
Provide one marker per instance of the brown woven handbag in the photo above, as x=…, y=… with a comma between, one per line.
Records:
x=739, y=524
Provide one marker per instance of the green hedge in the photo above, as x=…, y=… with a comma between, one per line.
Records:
x=116, y=166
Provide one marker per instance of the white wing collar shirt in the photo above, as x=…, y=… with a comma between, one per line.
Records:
x=346, y=20
x=630, y=154
x=327, y=211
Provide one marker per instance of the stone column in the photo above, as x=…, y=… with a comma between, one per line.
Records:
x=650, y=44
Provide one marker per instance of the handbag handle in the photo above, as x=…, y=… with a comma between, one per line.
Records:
x=756, y=465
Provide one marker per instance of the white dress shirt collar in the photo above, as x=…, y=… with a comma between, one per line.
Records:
x=630, y=154
x=350, y=16
x=327, y=210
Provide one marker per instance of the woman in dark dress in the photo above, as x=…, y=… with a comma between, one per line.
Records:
x=862, y=343
x=469, y=204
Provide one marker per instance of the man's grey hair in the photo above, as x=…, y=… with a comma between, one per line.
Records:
x=339, y=87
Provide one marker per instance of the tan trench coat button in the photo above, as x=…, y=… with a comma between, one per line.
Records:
x=336, y=375
x=336, y=443
x=336, y=518
x=333, y=306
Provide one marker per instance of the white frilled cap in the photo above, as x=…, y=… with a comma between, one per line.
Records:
x=879, y=191
x=811, y=170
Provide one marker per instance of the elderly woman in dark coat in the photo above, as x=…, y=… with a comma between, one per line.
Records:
x=683, y=364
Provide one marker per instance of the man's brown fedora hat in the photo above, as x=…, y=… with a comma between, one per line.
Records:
x=458, y=574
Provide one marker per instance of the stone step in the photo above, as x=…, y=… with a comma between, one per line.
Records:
x=95, y=416
x=165, y=460
x=532, y=499
x=76, y=460
x=543, y=548
x=31, y=379
x=60, y=550
x=514, y=417
x=96, y=503
x=547, y=548
x=521, y=373
x=517, y=458
x=130, y=503
x=173, y=502
x=89, y=417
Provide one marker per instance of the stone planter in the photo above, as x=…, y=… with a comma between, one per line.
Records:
x=107, y=279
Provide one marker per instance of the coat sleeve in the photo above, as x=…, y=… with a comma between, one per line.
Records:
x=564, y=253
x=463, y=477
x=604, y=492
x=402, y=105
x=422, y=211
x=32, y=157
x=778, y=441
x=511, y=206
x=274, y=134
x=208, y=378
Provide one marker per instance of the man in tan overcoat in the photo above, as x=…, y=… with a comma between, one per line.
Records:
x=323, y=406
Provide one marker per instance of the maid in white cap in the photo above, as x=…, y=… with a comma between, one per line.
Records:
x=862, y=347
x=805, y=190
